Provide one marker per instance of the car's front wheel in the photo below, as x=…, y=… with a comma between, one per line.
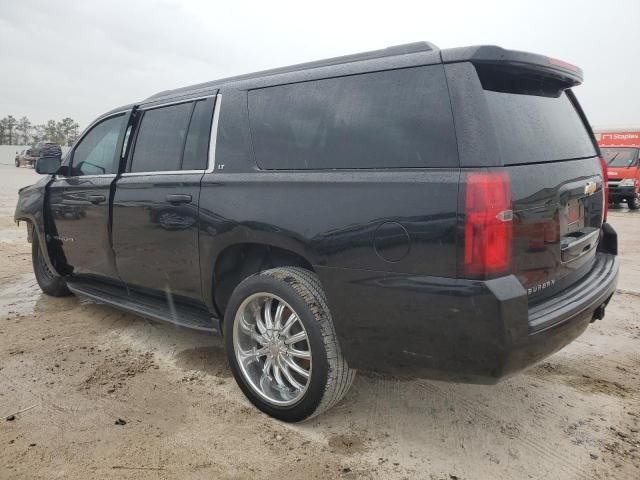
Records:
x=282, y=346
x=17, y=162
x=634, y=202
x=50, y=282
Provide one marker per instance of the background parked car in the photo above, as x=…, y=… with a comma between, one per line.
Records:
x=45, y=149
x=23, y=158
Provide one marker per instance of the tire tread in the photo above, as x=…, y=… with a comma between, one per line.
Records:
x=339, y=376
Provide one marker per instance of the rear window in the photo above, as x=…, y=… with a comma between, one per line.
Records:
x=534, y=128
x=619, y=157
x=392, y=119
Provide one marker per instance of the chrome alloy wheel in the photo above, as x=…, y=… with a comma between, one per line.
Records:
x=272, y=348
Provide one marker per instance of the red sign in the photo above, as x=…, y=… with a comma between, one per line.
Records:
x=618, y=139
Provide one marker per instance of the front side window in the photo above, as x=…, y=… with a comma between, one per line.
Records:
x=161, y=139
x=95, y=154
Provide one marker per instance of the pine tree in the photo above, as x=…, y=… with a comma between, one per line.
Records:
x=23, y=130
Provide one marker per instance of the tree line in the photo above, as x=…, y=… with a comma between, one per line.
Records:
x=21, y=131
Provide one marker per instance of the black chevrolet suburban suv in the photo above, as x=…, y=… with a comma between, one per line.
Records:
x=424, y=212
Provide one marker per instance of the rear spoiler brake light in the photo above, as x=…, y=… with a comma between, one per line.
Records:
x=569, y=74
x=563, y=64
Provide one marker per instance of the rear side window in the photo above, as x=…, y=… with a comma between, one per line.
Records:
x=393, y=119
x=534, y=128
x=161, y=138
x=197, y=145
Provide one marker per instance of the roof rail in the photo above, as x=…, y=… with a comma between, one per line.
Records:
x=391, y=51
x=409, y=48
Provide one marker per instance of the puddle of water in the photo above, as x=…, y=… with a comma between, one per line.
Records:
x=23, y=296
x=10, y=233
x=19, y=296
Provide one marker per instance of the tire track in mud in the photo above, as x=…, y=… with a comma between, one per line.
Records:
x=568, y=466
x=601, y=369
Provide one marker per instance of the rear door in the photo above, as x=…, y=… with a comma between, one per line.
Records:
x=78, y=204
x=155, y=209
x=539, y=136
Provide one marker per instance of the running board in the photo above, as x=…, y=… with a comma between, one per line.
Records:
x=149, y=307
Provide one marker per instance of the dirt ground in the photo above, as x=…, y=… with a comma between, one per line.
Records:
x=77, y=368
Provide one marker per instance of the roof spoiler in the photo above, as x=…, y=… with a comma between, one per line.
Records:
x=568, y=74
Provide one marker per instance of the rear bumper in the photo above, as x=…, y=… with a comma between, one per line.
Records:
x=453, y=329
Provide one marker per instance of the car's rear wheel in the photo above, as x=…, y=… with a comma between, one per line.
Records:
x=50, y=282
x=282, y=346
x=633, y=203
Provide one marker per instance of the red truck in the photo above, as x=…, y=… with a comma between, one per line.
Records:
x=621, y=149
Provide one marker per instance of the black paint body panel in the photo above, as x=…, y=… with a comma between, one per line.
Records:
x=82, y=227
x=455, y=329
x=155, y=241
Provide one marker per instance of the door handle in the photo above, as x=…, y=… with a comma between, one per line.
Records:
x=178, y=198
x=95, y=199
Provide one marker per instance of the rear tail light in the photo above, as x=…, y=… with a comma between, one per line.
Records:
x=488, y=228
x=605, y=189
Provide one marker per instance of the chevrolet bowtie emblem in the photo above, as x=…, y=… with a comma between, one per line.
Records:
x=590, y=188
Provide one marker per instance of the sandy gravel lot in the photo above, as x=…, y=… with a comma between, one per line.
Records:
x=78, y=367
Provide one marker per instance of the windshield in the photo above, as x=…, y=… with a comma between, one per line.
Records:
x=619, y=157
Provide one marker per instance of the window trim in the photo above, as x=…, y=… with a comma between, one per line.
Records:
x=213, y=137
x=88, y=130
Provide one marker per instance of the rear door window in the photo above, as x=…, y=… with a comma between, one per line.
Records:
x=391, y=119
x=161, y=137
x=196, y=148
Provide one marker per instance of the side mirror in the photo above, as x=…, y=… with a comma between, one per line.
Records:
x=48, y=165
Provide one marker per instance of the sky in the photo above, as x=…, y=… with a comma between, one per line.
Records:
x=80, y=58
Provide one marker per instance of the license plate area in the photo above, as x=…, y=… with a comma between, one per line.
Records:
x=572, y=217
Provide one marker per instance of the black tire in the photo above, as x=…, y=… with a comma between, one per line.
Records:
x=50, y=282
x=17, y=163
x=330, y=377
x=633, y=203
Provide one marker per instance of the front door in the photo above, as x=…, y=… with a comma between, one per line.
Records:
x=79, y=202
x=155, y=209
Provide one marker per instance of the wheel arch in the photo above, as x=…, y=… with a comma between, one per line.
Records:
x=241, y=260
x=31, y=210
